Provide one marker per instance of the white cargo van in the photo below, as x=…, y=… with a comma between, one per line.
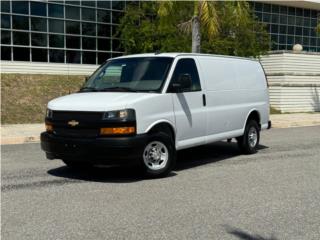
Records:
x=141, y=109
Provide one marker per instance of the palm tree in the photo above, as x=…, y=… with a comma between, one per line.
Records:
x=205, y=15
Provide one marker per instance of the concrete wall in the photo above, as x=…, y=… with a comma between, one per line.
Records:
x=294, y=80
x=46, y=68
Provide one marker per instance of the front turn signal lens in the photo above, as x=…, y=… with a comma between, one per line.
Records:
x=117, y=131
x=49, y=127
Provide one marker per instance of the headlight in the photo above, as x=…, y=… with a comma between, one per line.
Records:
x=120, y=115
x=49, y=113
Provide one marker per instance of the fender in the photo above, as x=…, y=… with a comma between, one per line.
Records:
x=253, y=109
x=160, y=121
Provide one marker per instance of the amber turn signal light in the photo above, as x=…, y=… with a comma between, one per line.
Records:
x=49, y=127
x=117, y=131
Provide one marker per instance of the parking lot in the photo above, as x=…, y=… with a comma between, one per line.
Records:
x=213, y=193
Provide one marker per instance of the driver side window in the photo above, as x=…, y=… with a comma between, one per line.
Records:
x=187, y=66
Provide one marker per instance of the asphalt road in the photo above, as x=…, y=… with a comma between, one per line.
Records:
x=214, y=193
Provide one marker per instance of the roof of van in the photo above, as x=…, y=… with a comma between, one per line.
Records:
x=176, y=54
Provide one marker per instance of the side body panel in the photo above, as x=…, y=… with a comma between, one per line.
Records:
x=221, y=94
x=234, y=88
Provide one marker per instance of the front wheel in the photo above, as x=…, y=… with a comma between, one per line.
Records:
x=250, y=140
x=158, y=157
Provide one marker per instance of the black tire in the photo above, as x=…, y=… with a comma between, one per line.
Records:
x=244, y=143
x=76, y=164
x=168, y=142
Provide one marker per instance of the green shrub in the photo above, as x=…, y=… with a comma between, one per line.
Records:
x=274, y=111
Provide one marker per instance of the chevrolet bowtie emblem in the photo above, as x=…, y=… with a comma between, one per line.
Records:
x=73, y=123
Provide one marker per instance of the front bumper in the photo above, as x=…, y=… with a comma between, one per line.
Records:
x=102, y=150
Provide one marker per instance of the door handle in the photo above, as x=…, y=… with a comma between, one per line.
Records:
x=204, y=101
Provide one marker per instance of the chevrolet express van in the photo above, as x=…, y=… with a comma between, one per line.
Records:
x=140, y=109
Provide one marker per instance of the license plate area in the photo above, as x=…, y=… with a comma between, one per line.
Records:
x=71, y=147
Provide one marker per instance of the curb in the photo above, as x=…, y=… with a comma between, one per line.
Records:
x=279, y=126
x=293, y=125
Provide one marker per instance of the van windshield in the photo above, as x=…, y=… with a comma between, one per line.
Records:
x=141, y=74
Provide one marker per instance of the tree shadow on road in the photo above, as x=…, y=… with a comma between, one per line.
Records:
x=189, y=158
x=245, y=235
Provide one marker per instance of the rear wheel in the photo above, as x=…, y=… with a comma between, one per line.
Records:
x=158, y=156
x=249, y=142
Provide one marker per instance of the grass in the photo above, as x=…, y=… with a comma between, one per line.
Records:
x=274, y=111
x=24, y=97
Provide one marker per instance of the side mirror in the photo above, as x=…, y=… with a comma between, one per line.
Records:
x=183, y=82
x=86, y=79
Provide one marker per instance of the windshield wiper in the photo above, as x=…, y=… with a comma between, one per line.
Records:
x=120, y=89
x=88, y=89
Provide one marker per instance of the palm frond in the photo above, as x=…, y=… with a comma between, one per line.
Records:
x=209, y=17
x=165, y=8
x=241, y=11
x=185, y=27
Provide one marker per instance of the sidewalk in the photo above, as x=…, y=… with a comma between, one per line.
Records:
x=21, y=133
x=27, y=133
x=295, y=120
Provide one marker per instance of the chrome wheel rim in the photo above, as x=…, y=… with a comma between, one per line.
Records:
x=155, y=155
x=252, y=137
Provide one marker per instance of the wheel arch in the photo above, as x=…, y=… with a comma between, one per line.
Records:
x=253, y=115
x=162, y=125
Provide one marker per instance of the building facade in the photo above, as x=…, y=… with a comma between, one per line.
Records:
x=290, y=23
x=84, y=32
x=76, y=32
x=294, y=80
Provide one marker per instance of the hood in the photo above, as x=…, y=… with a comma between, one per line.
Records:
x=97, y=101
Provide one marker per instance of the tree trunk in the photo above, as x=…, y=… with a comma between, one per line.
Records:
x=196, y=35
